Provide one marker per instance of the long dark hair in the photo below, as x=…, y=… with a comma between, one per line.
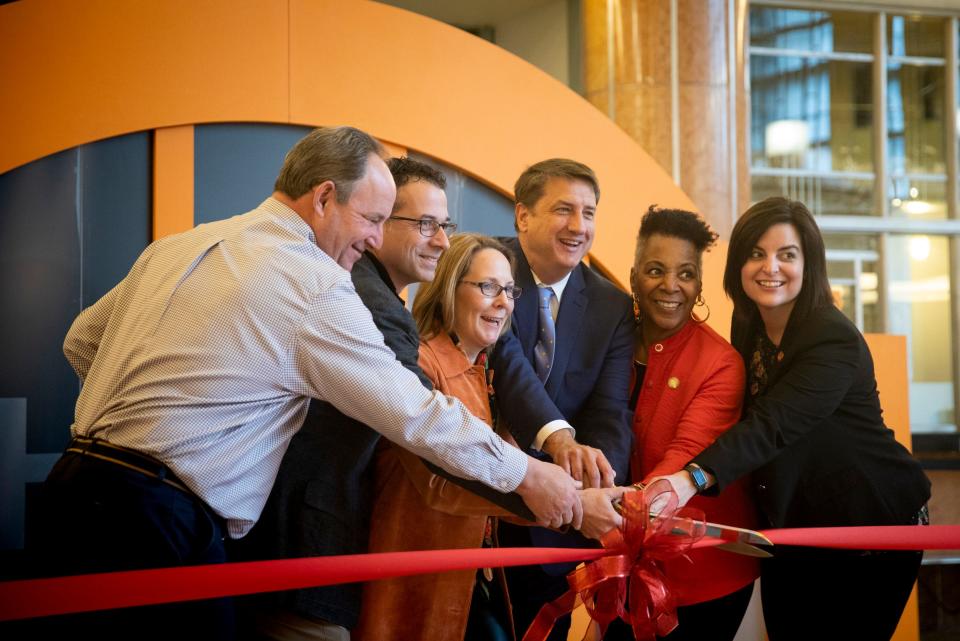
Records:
x=754, y=222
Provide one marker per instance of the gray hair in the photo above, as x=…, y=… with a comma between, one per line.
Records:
x=338, y=154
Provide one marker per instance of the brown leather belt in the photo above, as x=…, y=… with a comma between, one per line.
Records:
x=125, y=457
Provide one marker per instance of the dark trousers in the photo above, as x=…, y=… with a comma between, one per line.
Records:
x=716, y=620
x=98, y=516
x=532, y=586
x=811, y=593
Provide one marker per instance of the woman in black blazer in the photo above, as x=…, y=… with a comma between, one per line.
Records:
x=812, y=436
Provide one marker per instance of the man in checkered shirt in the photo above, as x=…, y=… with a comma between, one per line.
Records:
x=198, y=368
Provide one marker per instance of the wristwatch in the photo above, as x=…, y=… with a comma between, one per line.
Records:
x=698, y=475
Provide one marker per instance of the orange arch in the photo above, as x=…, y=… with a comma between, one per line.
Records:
x=84, y=71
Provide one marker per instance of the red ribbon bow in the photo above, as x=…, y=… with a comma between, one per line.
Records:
x=630, y=583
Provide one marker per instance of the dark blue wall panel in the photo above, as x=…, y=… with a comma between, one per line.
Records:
x=236, y=166
x=116, y=206
x=40, y=293
x=486, y=211
x=71, y=226
x=472, y=205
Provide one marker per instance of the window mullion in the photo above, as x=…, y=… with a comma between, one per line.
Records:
x=880, y=114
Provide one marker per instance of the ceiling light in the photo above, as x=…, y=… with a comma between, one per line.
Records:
x=786, y=137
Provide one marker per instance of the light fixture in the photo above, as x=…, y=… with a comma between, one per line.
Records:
x=787, y=137
x=919, y=247
x=917, y=207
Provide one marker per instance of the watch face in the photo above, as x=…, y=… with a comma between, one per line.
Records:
x=699, y=478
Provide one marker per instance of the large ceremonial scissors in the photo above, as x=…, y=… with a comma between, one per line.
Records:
x=735, y=539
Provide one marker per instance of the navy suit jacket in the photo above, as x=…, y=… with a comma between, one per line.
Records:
x=590, y=378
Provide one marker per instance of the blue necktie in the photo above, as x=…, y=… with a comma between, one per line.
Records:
x=546, y=337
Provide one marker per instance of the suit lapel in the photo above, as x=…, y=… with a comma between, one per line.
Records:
x=525, y=311
x=569, y=320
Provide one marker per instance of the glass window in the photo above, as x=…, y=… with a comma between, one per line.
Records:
x=853, y=270
x=919, y=308
x=917, y=199
x=823, y=195
x=821, y=31
x=915, y=118
x=915, y=36
x=809, y=113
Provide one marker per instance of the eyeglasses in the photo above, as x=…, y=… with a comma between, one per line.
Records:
x=428, y=226
x=492, y=290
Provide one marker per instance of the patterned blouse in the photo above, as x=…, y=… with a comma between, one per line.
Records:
x=762, y=362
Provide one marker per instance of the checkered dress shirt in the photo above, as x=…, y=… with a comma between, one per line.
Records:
x=206, y=354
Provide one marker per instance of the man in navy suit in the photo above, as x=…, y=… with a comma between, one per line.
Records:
x=575, y=330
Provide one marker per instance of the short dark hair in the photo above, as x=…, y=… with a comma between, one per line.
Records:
x=676, y=223
x=407, y=170
x=815, y=291
x=529, y=186
x=338, y=154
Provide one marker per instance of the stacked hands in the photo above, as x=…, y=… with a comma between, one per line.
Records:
x=576, y=489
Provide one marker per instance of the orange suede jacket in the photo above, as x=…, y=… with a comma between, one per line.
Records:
x=415, y=509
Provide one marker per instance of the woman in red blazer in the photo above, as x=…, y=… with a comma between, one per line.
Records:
x=688, y=390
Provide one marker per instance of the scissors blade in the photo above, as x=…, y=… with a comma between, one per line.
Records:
x=745, y=549
x=733, y=535
x=736, y=534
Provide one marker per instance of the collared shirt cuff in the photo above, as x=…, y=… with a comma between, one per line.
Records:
x=550, y=428
x=513, y=470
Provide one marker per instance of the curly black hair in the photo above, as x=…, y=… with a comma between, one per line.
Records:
x=677, y=223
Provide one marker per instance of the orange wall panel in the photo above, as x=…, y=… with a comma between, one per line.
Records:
x=173, y=161
x=84, y=71
x=890, y=362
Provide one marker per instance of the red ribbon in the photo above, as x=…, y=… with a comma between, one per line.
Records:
x=630, y=583
x=65, y=595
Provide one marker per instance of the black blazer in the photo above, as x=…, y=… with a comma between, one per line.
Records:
x=815, y=440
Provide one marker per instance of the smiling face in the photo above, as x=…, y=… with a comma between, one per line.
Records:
x=478, y=320
x=666, y=283
x=409, y=256
x=772, y=276
x=345, y=230
x=557, y=231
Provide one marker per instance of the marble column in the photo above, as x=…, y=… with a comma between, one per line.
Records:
x=628, y=76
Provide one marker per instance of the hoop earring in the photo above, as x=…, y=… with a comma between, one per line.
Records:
x=700, y=303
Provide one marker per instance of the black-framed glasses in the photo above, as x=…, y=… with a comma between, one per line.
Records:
x=492, y=290
x=428, y=226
